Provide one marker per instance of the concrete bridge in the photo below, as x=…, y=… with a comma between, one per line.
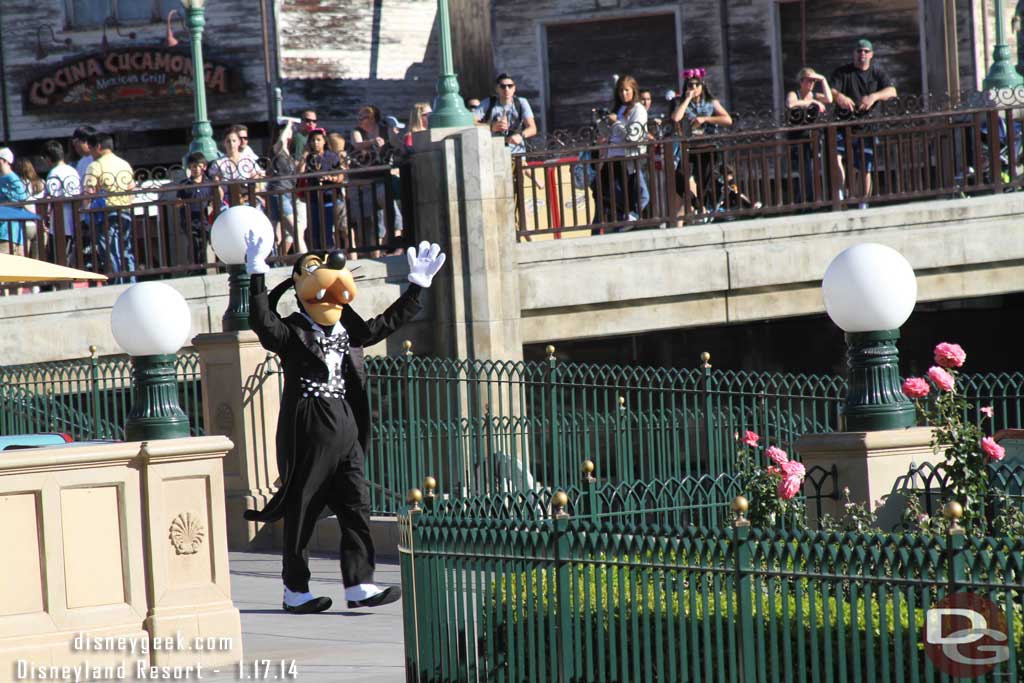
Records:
x=619, y=284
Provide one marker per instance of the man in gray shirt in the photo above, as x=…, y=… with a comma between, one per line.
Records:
x=507, y=115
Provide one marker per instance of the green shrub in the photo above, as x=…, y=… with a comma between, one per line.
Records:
x=632, y=622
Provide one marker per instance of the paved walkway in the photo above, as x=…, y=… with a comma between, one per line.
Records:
x=363, y=645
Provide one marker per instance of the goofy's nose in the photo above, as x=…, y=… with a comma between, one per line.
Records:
x=335, y=260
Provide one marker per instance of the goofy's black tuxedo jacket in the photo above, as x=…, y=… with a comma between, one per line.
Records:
x=295, y=340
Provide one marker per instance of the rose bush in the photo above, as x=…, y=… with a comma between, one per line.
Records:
x=965, y=448
x=770, y=489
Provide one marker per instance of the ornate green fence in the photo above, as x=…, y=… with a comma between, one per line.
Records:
x=550, y=594
x=88, y=398
x=489, y=427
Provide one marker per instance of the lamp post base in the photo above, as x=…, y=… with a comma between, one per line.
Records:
x=155, y=413
x=874, y=398
x=202, y=141
x=237, y=316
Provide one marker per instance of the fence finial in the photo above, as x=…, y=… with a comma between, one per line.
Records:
x=622, y=402
x=92, y=350
x=560, y=500
x=705, y=359
x=953, y=511
x=429, y=483
x=414, y=497
x=588, y=472
x=407, y=345
x=550, y=350
x=740, y=505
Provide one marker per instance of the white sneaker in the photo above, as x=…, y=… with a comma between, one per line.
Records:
x=862, y=205
x=633, y=216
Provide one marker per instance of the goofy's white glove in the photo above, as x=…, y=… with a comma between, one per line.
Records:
x=425, y=263
x=256, y=253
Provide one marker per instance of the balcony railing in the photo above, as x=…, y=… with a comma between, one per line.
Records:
x=577, y=185
x=167, y=222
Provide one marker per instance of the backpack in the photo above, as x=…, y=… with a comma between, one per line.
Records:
x=517, y=107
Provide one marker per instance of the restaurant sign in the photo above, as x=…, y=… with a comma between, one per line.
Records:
x=124, y=76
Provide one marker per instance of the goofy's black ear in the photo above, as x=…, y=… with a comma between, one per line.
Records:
x=277, y=292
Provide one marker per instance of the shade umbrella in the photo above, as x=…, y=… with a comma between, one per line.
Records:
x=20, y=269
x=13, y=213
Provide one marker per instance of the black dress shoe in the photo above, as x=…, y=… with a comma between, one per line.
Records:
x=309, y=607
x=386, y=596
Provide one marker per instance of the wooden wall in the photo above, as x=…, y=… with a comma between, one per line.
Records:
x=337, y=55
x=233, y=35
x=834, y=27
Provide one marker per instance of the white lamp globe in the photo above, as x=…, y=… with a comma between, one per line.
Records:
x=227, y=236
x=869, y=288
x=150, y=318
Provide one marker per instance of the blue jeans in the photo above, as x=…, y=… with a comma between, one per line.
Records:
x=114, y=248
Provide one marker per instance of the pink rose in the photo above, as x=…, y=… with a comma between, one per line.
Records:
x=789, y=486
x=992, y=449
x=750, y=438
x=776, y=455
x=949, y=355
x=942, y=379
x=915, y=387
x=986, y=411
x=792, y=468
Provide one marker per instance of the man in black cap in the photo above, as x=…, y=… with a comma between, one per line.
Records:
x=856, y=88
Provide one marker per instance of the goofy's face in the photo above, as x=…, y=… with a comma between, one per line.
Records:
x=324, y=285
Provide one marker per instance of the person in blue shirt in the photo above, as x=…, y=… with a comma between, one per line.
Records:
x=12, y=189
x=507, y=115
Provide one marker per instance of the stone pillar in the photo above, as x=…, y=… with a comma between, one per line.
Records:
x=870, y=464
x=464, y=201
x=241, y=400
x=187, y=577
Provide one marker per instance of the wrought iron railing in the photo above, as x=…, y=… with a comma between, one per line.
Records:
x=490, y=427
x=579, y=184
x=167, y=223
x=87, y=398
x=569, y=596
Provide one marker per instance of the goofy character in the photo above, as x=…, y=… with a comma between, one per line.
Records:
x=324, y=425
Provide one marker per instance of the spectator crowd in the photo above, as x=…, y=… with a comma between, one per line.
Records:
x=326, y=190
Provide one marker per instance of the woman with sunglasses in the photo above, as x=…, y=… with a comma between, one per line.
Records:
x=705, y=115
x=803, y=106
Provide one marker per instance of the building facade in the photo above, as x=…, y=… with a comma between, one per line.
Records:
x=107, y=63
x=566, y=53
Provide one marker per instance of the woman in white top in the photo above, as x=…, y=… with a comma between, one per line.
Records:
x=620, y=179
x=234, y=165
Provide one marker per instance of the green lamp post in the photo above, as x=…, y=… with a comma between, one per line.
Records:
x=1002, y=73
x=151, y=321
x=449, y=111
x=227, y=237
x=870, y=291
x=202, y=131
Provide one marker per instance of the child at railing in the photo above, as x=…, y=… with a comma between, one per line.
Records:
x=195, y=211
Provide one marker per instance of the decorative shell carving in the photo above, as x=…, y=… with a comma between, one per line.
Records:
x=186, y=534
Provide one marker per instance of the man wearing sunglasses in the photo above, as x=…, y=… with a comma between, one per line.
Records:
x=507, y=115
x=856, y=88
x=307, y=122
